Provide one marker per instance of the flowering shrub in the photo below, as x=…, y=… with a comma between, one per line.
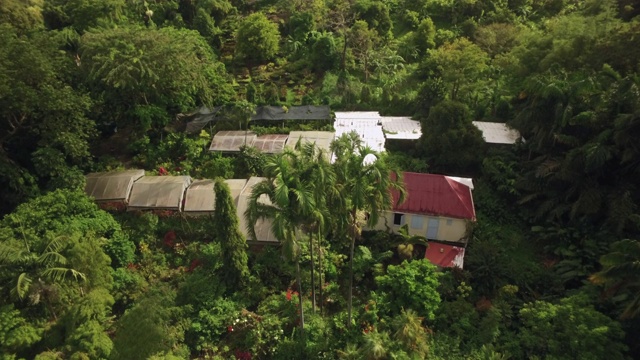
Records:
x=291, y=294
x=250, y=334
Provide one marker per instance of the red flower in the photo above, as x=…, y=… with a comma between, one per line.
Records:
x=194, y=264
x=229, y=328
x=290, y=294
x=169, y=238
x=242, y=355
x=162, y=171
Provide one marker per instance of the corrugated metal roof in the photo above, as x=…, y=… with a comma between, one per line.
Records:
x=270, y=144
x=262, y=227
x=322, y=139
x=444, y=255
x=395, y=127
x=432, y=194
x=200, y=196
x=497, y=133
x=231, y=141
x=111, y=186
x=365, y=123
x=158, y=192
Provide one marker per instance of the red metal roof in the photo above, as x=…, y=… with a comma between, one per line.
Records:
x=432, y=194
x=445, y=255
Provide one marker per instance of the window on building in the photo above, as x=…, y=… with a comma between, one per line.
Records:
x=398, y=219
x=417, y=222
x=449, y=222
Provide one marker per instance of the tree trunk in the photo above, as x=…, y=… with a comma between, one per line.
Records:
x=343, y=58
x=320, y=282
x=313, y=277
x=366, y=67
x=299, y=281
x=353, y=243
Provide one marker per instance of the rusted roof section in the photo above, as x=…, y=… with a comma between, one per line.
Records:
x=438, y=195
x=111, y=186
x=270, y=144
x=444, y=255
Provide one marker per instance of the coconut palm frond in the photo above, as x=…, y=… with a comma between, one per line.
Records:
x=58, y=274
x=23, y=284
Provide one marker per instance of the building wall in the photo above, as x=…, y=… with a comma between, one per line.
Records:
x=448, y=229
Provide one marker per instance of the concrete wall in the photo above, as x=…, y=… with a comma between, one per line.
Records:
x=448, y=229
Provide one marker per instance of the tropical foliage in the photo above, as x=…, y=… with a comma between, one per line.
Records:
x=551, y=267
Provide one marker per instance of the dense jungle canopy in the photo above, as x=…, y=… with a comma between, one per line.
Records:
x=552, y=266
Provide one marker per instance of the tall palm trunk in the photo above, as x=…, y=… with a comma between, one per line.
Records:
x=313, y=277
x=353, y=243
x=299, y=281
x=320, y=282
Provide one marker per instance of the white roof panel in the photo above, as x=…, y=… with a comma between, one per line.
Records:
x=401, y=128
x=464, y=181
x=372, y=115
x=497, y=133
x=366, y=124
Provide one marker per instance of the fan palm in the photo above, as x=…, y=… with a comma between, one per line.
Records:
x=364, y=183
x=375, y=345
x=411, y=333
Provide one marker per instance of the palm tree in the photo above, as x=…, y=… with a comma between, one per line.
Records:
x=411, y=333
x=375, y=345
x=313, y=163
x=291, y=202
x=364, y=183
x=47, y=267
x=406, y=241
x=620, y=271
x=351, y=352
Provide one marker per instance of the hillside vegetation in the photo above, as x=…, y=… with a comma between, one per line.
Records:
x=552, y=267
